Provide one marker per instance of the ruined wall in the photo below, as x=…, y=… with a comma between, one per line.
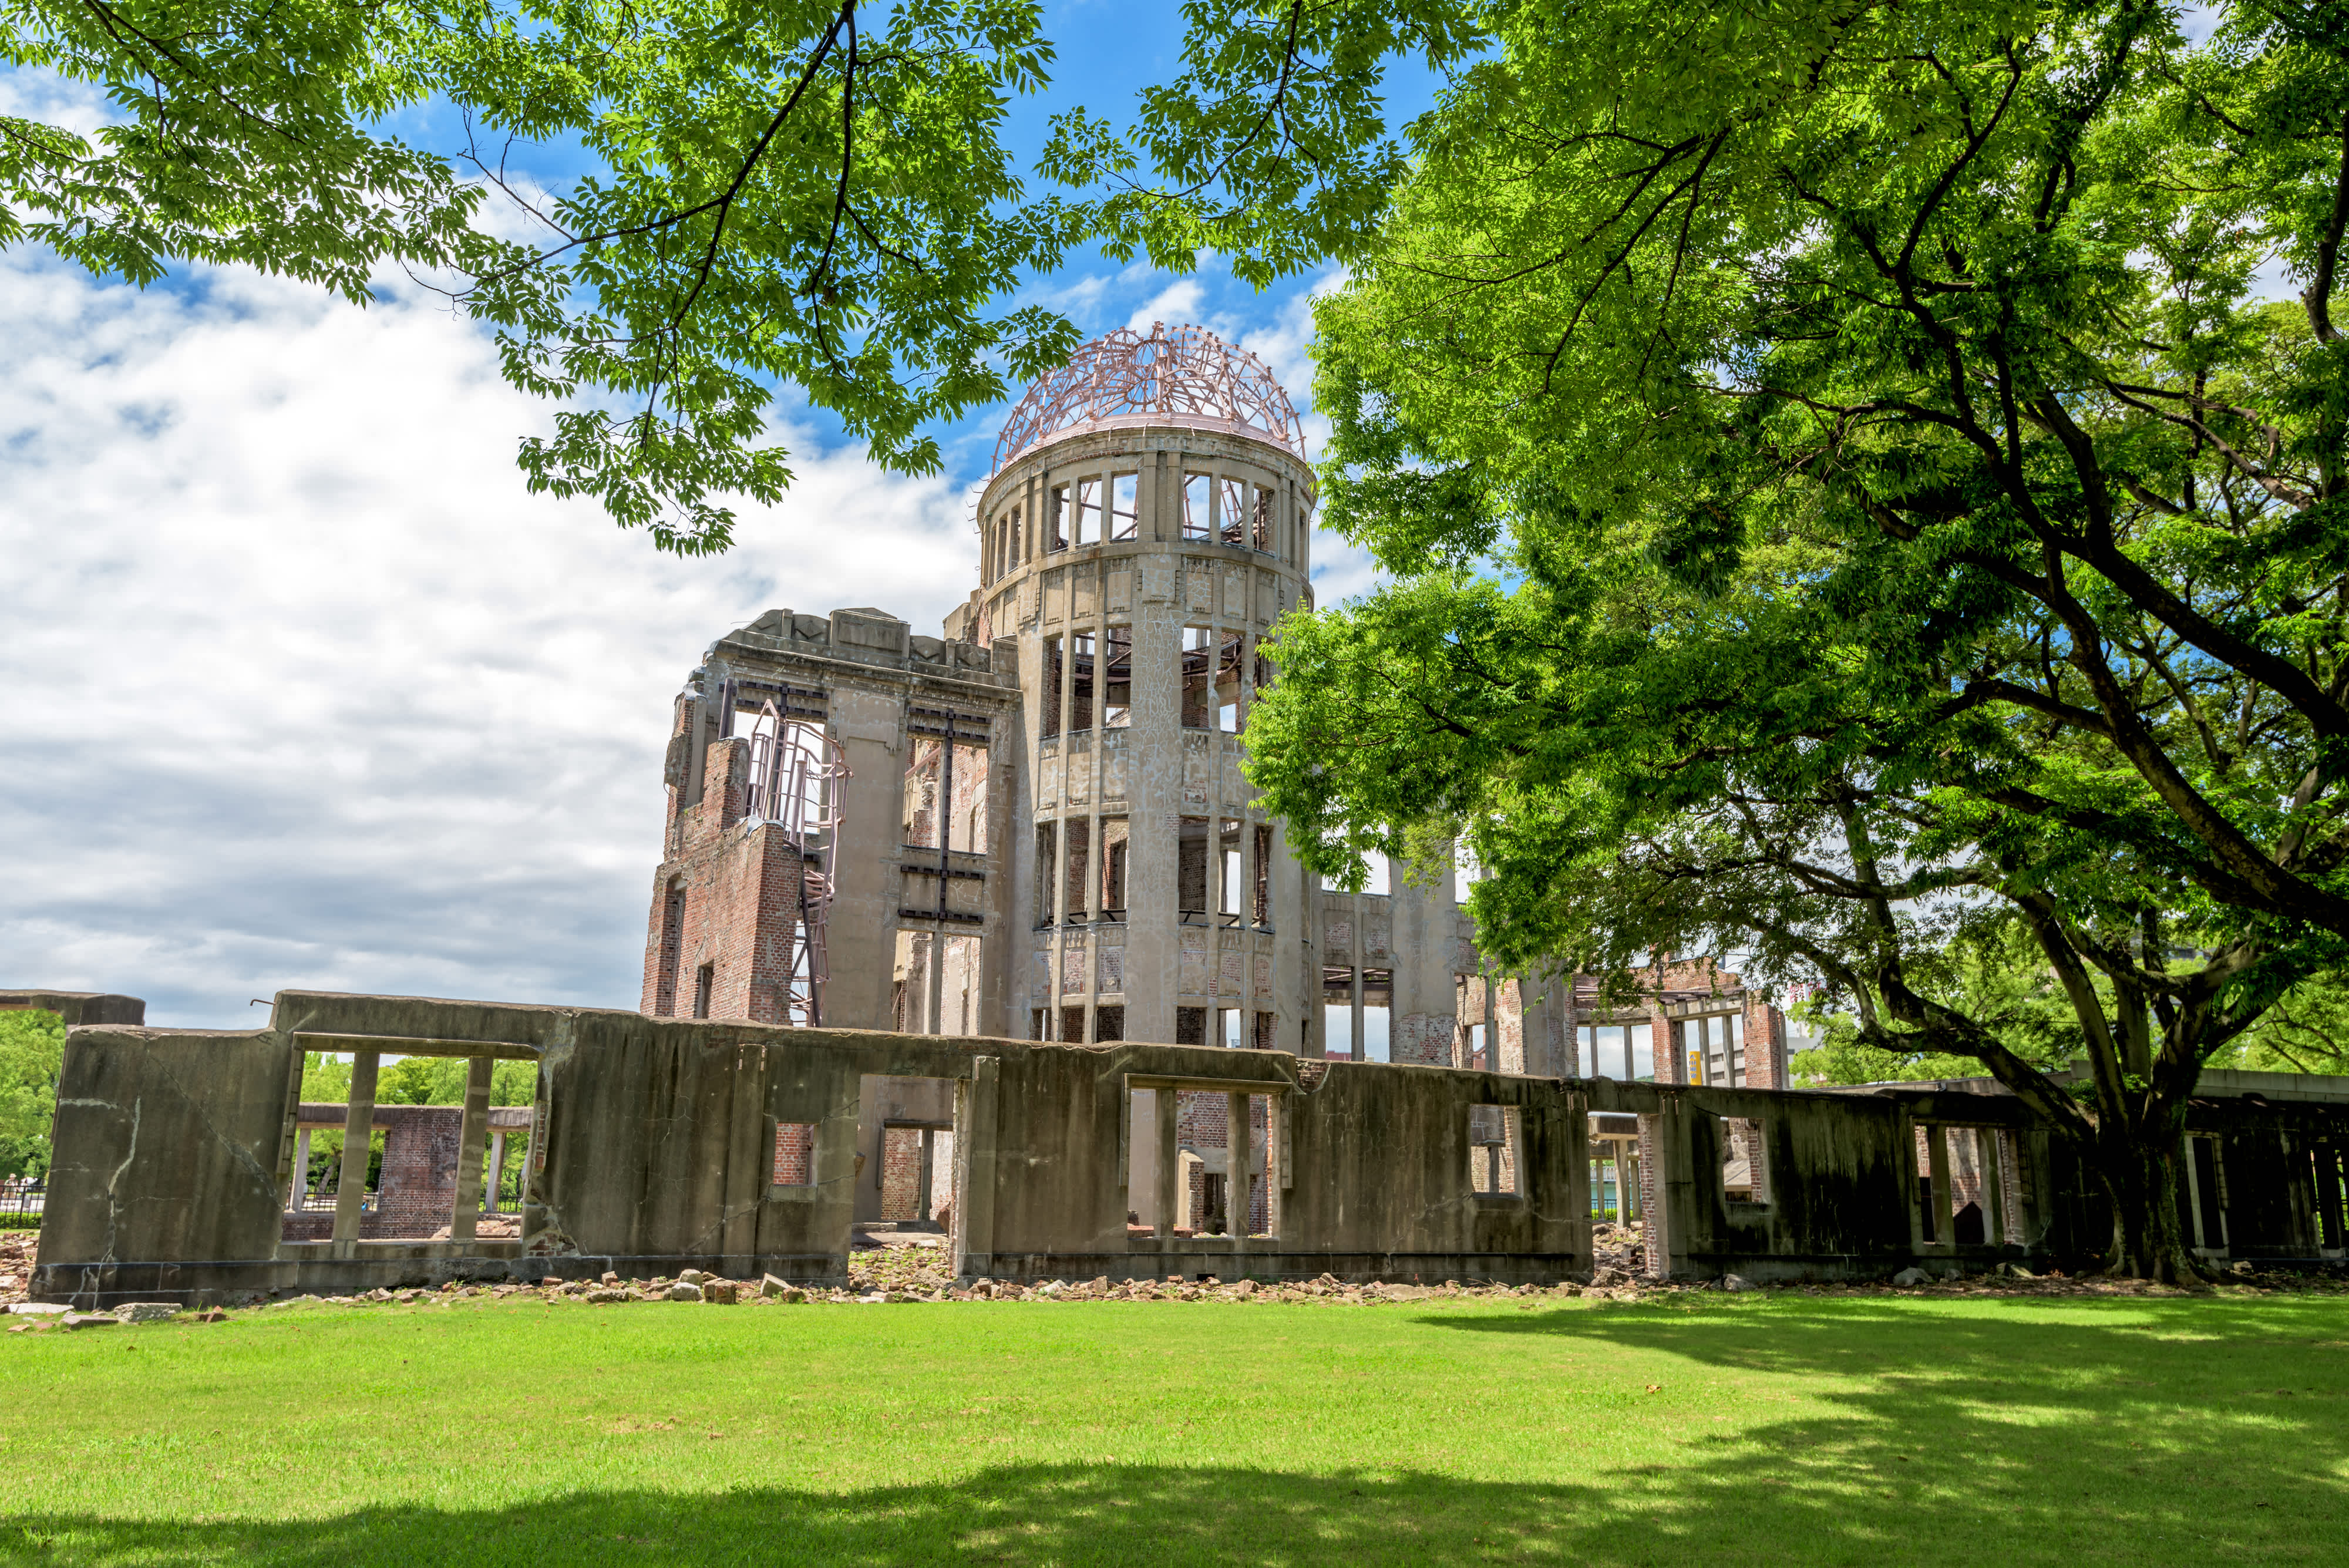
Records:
x=659, y=1143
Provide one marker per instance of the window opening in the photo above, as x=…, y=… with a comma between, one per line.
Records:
x=705, y=980
x=1465, y=872
x=1492, y=1150
x=1260, y=519
x=672, y=950
x=1114, y=847
x=1080, y=682
x=1117, y=678
x=1234, y=871
x=1072, y=1024
x=1196, y=502
x=1228, y=1022
x=1260, y=898
x=1051, y=692
x=1198, y=653
x=1232, y=511
x=1124, y=520
x=1191, y=867
x=1228, y=663
x=1047, y=854
x=1267, y=1030
x=1263, y=674
x=1108, y=1023
x=795, y=1154
x=1380, y=880
x=1378, y=1001
x=1337, y=1011
x=1056, y=517
x=1080, y=860
x=1088, y=511
x=1190, y=1026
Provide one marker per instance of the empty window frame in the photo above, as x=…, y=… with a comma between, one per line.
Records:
x=1191, y=867
x=1230, y=1023
x=1190, y=1026
x=1267, y=1030
x=1378, y=1005
x=1114, y=858
x=1117, y=677
x=1088, y=511
x=1197, y=675
x=1072, y=1024
x=672, y=950
x=1714, y=1049
x=704, y=983
x=1262, y=675
x=925, y=766
x=1108, y=1023
x=795, y=1154
x=1624, y=1051
x=1197, y=518
x=1337, y=1012
x=1380, y=880
x=1260, y=897
x=1055, y=659
x=1056, y=518
x=1048, y=838
x=1232, y=870
x=1232, y=511
x=1125, y=516
x=1077, y=853
x=1230, y=659
x=1492, y=1151
x=1260, y=520
x=1080, y=682
x=1465, y=872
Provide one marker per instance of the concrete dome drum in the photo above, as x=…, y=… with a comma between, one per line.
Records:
x=1185, y=374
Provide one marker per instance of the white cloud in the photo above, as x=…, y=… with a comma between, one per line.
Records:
x=1177, y=303
x=301, y=689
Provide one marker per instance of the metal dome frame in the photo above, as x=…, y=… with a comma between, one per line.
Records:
x=1183, y=373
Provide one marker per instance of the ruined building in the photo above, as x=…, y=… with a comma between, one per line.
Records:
x=1036, y=824
x=982, y=932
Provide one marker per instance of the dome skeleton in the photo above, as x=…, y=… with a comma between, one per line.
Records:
x=1125, y=377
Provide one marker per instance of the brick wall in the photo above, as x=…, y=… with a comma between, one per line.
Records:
x=740, y=882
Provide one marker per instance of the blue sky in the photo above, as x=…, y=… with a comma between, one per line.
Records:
x=301, y=689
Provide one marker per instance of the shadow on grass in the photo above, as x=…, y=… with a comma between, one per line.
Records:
x=2131, y=1430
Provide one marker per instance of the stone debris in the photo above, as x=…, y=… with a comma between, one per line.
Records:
x=1908, y=1279
x=147, y=1312
x=683, y=1291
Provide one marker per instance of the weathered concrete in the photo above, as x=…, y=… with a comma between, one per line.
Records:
x=79, y=1006
x=654, y=1147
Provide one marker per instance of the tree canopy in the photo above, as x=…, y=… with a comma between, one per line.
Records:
x=803, y=194
x=1855, y=498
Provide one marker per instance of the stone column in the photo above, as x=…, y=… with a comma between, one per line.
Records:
x=496, y=1178
x=1236, y=1161
x=1169, y=1165
x=470, y=1137
x=359, y=1122
x=301, y=1188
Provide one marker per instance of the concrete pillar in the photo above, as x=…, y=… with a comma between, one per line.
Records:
x=472, y=1135
x=1169, y=1167
x=1993, y=1188
x=1236, y=1160
x=496, y=1178
x=359, y=1122
x=1937, y=1157
x=301, y=1185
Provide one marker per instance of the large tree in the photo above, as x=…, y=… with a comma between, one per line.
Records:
x=808, y=196
x=1856, y=496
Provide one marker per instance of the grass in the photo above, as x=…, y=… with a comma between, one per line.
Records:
x=1774, y=1427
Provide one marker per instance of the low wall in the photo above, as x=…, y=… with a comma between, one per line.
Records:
x=659, y=1144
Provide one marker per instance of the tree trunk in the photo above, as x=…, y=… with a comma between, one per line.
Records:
x=2150, y=1238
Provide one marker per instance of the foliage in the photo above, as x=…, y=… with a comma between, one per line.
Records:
x=440, y=1081
x=32, y=1050
x=1851, y=503
x=803, y=192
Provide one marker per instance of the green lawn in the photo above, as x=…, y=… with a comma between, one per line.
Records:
x=1775, y=1428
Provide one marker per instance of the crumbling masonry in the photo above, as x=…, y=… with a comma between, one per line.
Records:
x=984, y=933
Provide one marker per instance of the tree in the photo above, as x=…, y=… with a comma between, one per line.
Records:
x=805, y=193
x=32, y=1050
x=796, y=193
x=1851, y=501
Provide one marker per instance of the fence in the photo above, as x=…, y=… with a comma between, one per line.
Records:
x=22, y=1195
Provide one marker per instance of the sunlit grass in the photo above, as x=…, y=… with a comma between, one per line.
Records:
x=1779, y=1429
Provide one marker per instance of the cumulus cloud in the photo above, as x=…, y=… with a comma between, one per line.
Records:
x=303, y=688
